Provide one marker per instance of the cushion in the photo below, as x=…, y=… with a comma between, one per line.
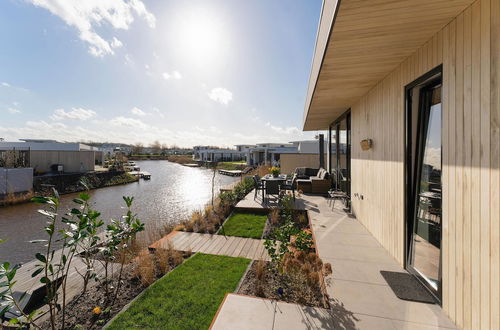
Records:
x=300, y=171
x=311, y=171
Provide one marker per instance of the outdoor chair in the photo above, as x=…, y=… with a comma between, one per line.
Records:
x=259, y=185
x=290, y=185
x=272, y=188
x=337, y=195
x=30, y=301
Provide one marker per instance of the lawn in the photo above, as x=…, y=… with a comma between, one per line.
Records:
x=245, y=225
x=186, y=298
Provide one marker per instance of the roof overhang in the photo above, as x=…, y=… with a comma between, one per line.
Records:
x=361, y=42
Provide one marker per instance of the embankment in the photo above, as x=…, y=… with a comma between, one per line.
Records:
x=70, y=183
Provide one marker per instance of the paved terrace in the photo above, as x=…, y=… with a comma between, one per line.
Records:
x=359, y=296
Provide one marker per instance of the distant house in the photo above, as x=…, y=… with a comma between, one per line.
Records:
x=50, y=155
x=268, y=153
x=214, y=154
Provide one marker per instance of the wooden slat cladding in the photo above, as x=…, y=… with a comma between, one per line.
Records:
x=468, y=47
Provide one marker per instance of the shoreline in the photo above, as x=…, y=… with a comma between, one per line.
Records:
x=68, y=184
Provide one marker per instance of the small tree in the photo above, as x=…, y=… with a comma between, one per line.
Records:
x=119, y=234
x=214, y=169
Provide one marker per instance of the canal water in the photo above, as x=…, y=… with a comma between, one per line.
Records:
x=173, y=192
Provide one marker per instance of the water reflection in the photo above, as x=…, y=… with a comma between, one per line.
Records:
x=173, y=192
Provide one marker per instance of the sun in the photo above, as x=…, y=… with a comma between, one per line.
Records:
x=200, y=35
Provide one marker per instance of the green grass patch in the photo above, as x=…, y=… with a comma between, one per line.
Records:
x=186, y=298
x=245, y=225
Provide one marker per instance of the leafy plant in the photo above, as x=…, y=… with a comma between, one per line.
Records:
x=7, y=300
x=89, y=219
x=119, y=234
x=303, y=241
x=275, y=170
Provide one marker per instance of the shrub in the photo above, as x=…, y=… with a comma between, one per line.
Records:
x=179, y=227
x=168, y=258
x=144, y=268
x=260, y=269
x=274, y=216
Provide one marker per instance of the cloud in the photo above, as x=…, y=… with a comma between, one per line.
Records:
x=174, y=75
x=129, y=59
x=85, y=16
x=13, y=111
x=127, y=122
x=221, y=95
x=137, y=112
x=158, y=112
x=75, y=114
x=5, y=84
x=115, y=43
x=292, y=130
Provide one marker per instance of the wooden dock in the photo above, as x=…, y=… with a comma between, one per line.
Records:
x=215, y=244
x=231, y=172
x=191, y=165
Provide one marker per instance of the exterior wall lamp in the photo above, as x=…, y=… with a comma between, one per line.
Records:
x=366, y=144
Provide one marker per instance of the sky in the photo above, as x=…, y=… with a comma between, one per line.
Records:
x=197, y=72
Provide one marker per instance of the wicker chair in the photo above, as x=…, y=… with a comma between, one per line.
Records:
x=272, y=188
x=290, y=185
x=259, y=185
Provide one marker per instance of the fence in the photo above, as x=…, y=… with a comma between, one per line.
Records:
x=15, y=180
x=15, y=158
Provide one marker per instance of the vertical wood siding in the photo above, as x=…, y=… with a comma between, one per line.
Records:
x=469, y=49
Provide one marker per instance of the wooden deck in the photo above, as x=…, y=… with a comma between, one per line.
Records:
x=215, y=244
x=252, y=202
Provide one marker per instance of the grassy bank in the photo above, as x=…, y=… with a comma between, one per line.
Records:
x=186, y=298
x=245, y=225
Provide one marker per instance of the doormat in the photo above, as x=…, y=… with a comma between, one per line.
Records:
x=407, y=287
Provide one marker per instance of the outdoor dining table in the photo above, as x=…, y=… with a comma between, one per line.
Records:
x=270, y=177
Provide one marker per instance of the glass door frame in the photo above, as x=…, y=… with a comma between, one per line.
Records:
x=334, y=127
x=412, y=176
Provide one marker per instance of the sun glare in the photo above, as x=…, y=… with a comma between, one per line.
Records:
x=200, y=34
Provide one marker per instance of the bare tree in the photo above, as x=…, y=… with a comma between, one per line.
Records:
x=138, y=148
x=156, y=147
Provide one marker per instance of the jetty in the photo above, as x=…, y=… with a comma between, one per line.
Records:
x=192, y=165
x=231, y=172
x=141, y=174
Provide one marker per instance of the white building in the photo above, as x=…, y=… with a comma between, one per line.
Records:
x=41, y=144
x=46, y=156
x=268, y=153
x=214, y=154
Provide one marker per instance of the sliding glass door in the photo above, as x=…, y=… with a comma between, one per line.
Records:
x=424, y=211
x=340, y=154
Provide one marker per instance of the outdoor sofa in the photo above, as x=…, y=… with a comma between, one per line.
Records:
x=313, y=180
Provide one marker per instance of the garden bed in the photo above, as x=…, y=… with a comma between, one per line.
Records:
x=264, y=281
x=301, y=220
x=242, y=224
x=186, y=298
x=295, y=273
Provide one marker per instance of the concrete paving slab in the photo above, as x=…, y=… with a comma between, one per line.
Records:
x=242, y=312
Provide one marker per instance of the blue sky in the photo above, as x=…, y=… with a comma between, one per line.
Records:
x=218, y=72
